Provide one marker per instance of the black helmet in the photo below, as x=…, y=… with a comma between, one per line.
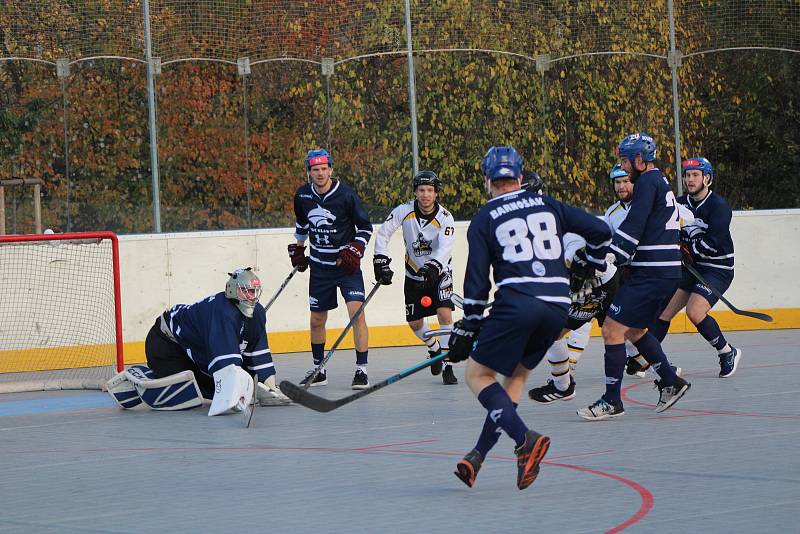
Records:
x=427, y=178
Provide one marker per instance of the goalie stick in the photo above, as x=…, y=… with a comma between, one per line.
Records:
x=280, y=289
x=347, y=328
x=250, y=409
x=321, y=404
x=734, y=309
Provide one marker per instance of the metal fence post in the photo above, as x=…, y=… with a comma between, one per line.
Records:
x=412, y=91
x=151, y=117
x=674, y=61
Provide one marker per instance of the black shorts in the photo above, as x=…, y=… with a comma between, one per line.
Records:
x=440, y=298
x=165, y=358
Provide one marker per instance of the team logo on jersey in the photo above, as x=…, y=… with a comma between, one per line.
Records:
x=538, y=268
x=319, y=217
x=422, y=247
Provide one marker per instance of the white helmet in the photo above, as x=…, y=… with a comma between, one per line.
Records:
x=243, y=287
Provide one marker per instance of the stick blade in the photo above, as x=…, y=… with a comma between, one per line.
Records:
x=306, y=398
x=757, y=315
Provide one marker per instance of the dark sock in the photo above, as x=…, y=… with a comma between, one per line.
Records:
x=318, y=352
x=659, y=329
x=361, y=357
x=503, y=412
x=650, y=348
x=489, y=436
x=615, y=367
x=710, y=331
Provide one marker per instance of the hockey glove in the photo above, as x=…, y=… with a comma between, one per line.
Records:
x=431, y=273
x=579, y=271
x=383, y=274
x=349, y=259
x=268, y=393
x=462, y=340
x=297, y=253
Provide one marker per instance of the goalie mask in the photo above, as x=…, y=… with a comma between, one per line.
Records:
x=244, y=289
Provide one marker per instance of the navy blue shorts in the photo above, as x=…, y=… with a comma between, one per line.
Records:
x=640, y=300
x=720, y=279
x=519, y=332
x=323, y=284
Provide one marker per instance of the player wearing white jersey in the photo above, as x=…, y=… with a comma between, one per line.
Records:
x=429, y=234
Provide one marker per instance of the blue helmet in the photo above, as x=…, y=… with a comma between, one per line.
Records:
x=638, y=143
x=502, y=163
x=318, y=157
x=698, y=164
x=616, y=172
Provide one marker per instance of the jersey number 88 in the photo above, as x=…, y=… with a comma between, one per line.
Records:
x=543, y=242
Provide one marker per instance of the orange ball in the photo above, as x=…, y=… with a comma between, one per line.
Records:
x=425, y=301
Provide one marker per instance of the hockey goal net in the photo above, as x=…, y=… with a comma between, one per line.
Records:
x=60, y=311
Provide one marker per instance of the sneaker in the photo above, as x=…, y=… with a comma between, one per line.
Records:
x=467, y=469
x=550, y=393
x=360, y=380
x=601, y=410
x=669, y=395
x=728, y=362
x=634, y=368
x=448, y=377
x=436, y=367
x=529, y=456
x=320, y=380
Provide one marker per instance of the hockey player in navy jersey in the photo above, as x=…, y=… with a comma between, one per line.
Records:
x=211, y=348
x=708, y=245
x=647, y=240
x=329, y=215
x=517, y=236
x=429, y=234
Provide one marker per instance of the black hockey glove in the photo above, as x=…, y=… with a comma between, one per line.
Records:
x=462, y=340
x=431, y=273
x=383, y=274
x=297, y=253
x=579, y=271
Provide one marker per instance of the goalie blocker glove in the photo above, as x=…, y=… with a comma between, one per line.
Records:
x=350, y=257
x=462, y=340
x=297, y=254
x=383, y=274
x=431, y=273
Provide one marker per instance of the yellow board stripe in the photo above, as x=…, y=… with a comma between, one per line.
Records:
x=51, y=358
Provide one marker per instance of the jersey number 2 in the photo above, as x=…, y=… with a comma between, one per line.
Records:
x=543, y=242
x=674, y=222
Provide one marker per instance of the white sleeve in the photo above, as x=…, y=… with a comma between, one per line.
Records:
x=384, y=233
x=447, y=238
x=572, y=244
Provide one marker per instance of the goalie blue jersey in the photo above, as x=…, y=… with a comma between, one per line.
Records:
x=215, y=334
x=519, y=235
x=329, y=222
x=648, y=237
x=712, y=245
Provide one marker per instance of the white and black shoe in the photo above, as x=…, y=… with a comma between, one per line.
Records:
x=320, y=380
x=669, y=395
x=550, y=393
x=360, y=380
x=601, y=410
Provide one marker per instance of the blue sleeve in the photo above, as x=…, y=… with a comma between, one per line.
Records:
x=712, y=242
x=595, y=231
x=361, y=220
x=476, y=279
x=257, y=357
x=301, y=219
x=222, y=339
x=626, y=238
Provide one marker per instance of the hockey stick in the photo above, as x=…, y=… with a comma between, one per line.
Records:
x=250, y=409
x=321, y=404
x=347, y=328
x=437, y=332
x=734, y=309
x=458, y=301
x=280, y=289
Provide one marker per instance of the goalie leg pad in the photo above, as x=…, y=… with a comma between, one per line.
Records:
x=124, y=392
x=233, y=390
x=170, y=393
